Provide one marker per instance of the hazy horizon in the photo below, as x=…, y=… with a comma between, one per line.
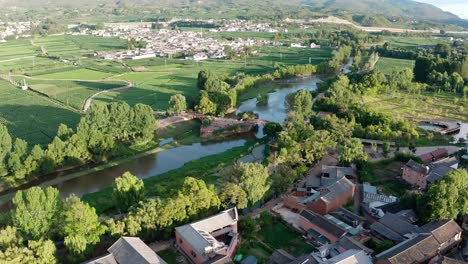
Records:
x=457, y=7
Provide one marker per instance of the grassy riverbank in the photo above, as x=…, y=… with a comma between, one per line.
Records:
x=183, y=133
x=206, y=168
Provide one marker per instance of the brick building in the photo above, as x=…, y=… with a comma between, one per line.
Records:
x=332, y=197
x=434, y=239
x=213, y=239
x=320, y=228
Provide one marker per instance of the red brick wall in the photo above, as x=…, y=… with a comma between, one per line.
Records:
x=321, y=207
x=291, y=202
x=306, y=225
x=415, y=178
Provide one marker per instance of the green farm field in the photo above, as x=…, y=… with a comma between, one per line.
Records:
x=31, y=117
x=389, y=65
x=72, y=93
x=420, y=106
x=79, y=73
x=413, y=42
x=155, y=80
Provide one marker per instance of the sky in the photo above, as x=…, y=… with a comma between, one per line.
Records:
x=457, y=7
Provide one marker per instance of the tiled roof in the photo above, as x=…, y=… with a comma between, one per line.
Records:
x=413, y=165
x=442, y=230
x=397, y=224
x=425, y=245
x=280, y=256
x=348, y=242
x=107, y=259
x=346, y=215
x=416, y=250
x=323, y=223
x=351, y=256
x=386, y=232
x=394, y=207
x=133, y=250
x=337, y=189
x=445, y=260
x=438, y=172
x=198, y=233
x=440, y=152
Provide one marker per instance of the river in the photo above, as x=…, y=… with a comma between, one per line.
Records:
x=276, y=110
x=174, y=158
x=145, y=167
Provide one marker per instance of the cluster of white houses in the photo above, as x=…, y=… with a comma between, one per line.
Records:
x=245, y=25
x=17, y=29
x=170, y=43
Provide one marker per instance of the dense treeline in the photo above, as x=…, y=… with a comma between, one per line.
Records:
x=342, y=99
x=218, y=93
x=441, y=67
x=352, y=38
x=243, y=184
x=449, y=73
x=40, y=217
x=105, y=132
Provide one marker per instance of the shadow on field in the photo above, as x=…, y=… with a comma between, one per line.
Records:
x=37, y=124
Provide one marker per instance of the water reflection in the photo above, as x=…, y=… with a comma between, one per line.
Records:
x=276, y=110
x=145, y=167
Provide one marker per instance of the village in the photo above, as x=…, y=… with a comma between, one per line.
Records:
x=175, y=43
x=15, y=30
x=344, y=221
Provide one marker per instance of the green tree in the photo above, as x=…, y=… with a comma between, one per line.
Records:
x=300, y=102
x=16, y=158
x=352, y=150
x=247, y=226
x=35, y=211
x=64, y=132
x=448, y=197
x=252, y=178
x=144, y=123
x=13, y=251
x=178, y=104
x=5, y=144
x=80, y=226
x=200, y=196
x=206, y=106
x=272, y=129
x=233, y=195
x=128, y=190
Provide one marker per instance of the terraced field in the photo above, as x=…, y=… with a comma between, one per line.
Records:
x=32, y=117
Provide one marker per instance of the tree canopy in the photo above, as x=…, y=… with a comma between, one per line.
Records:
x=250, y=178
x=448, y=197
x=128, y=190
x=36, y=211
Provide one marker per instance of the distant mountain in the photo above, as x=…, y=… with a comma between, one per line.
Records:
x=406, y=9
x=400, y=8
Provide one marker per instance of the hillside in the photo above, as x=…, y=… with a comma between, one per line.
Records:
x=361, y=11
